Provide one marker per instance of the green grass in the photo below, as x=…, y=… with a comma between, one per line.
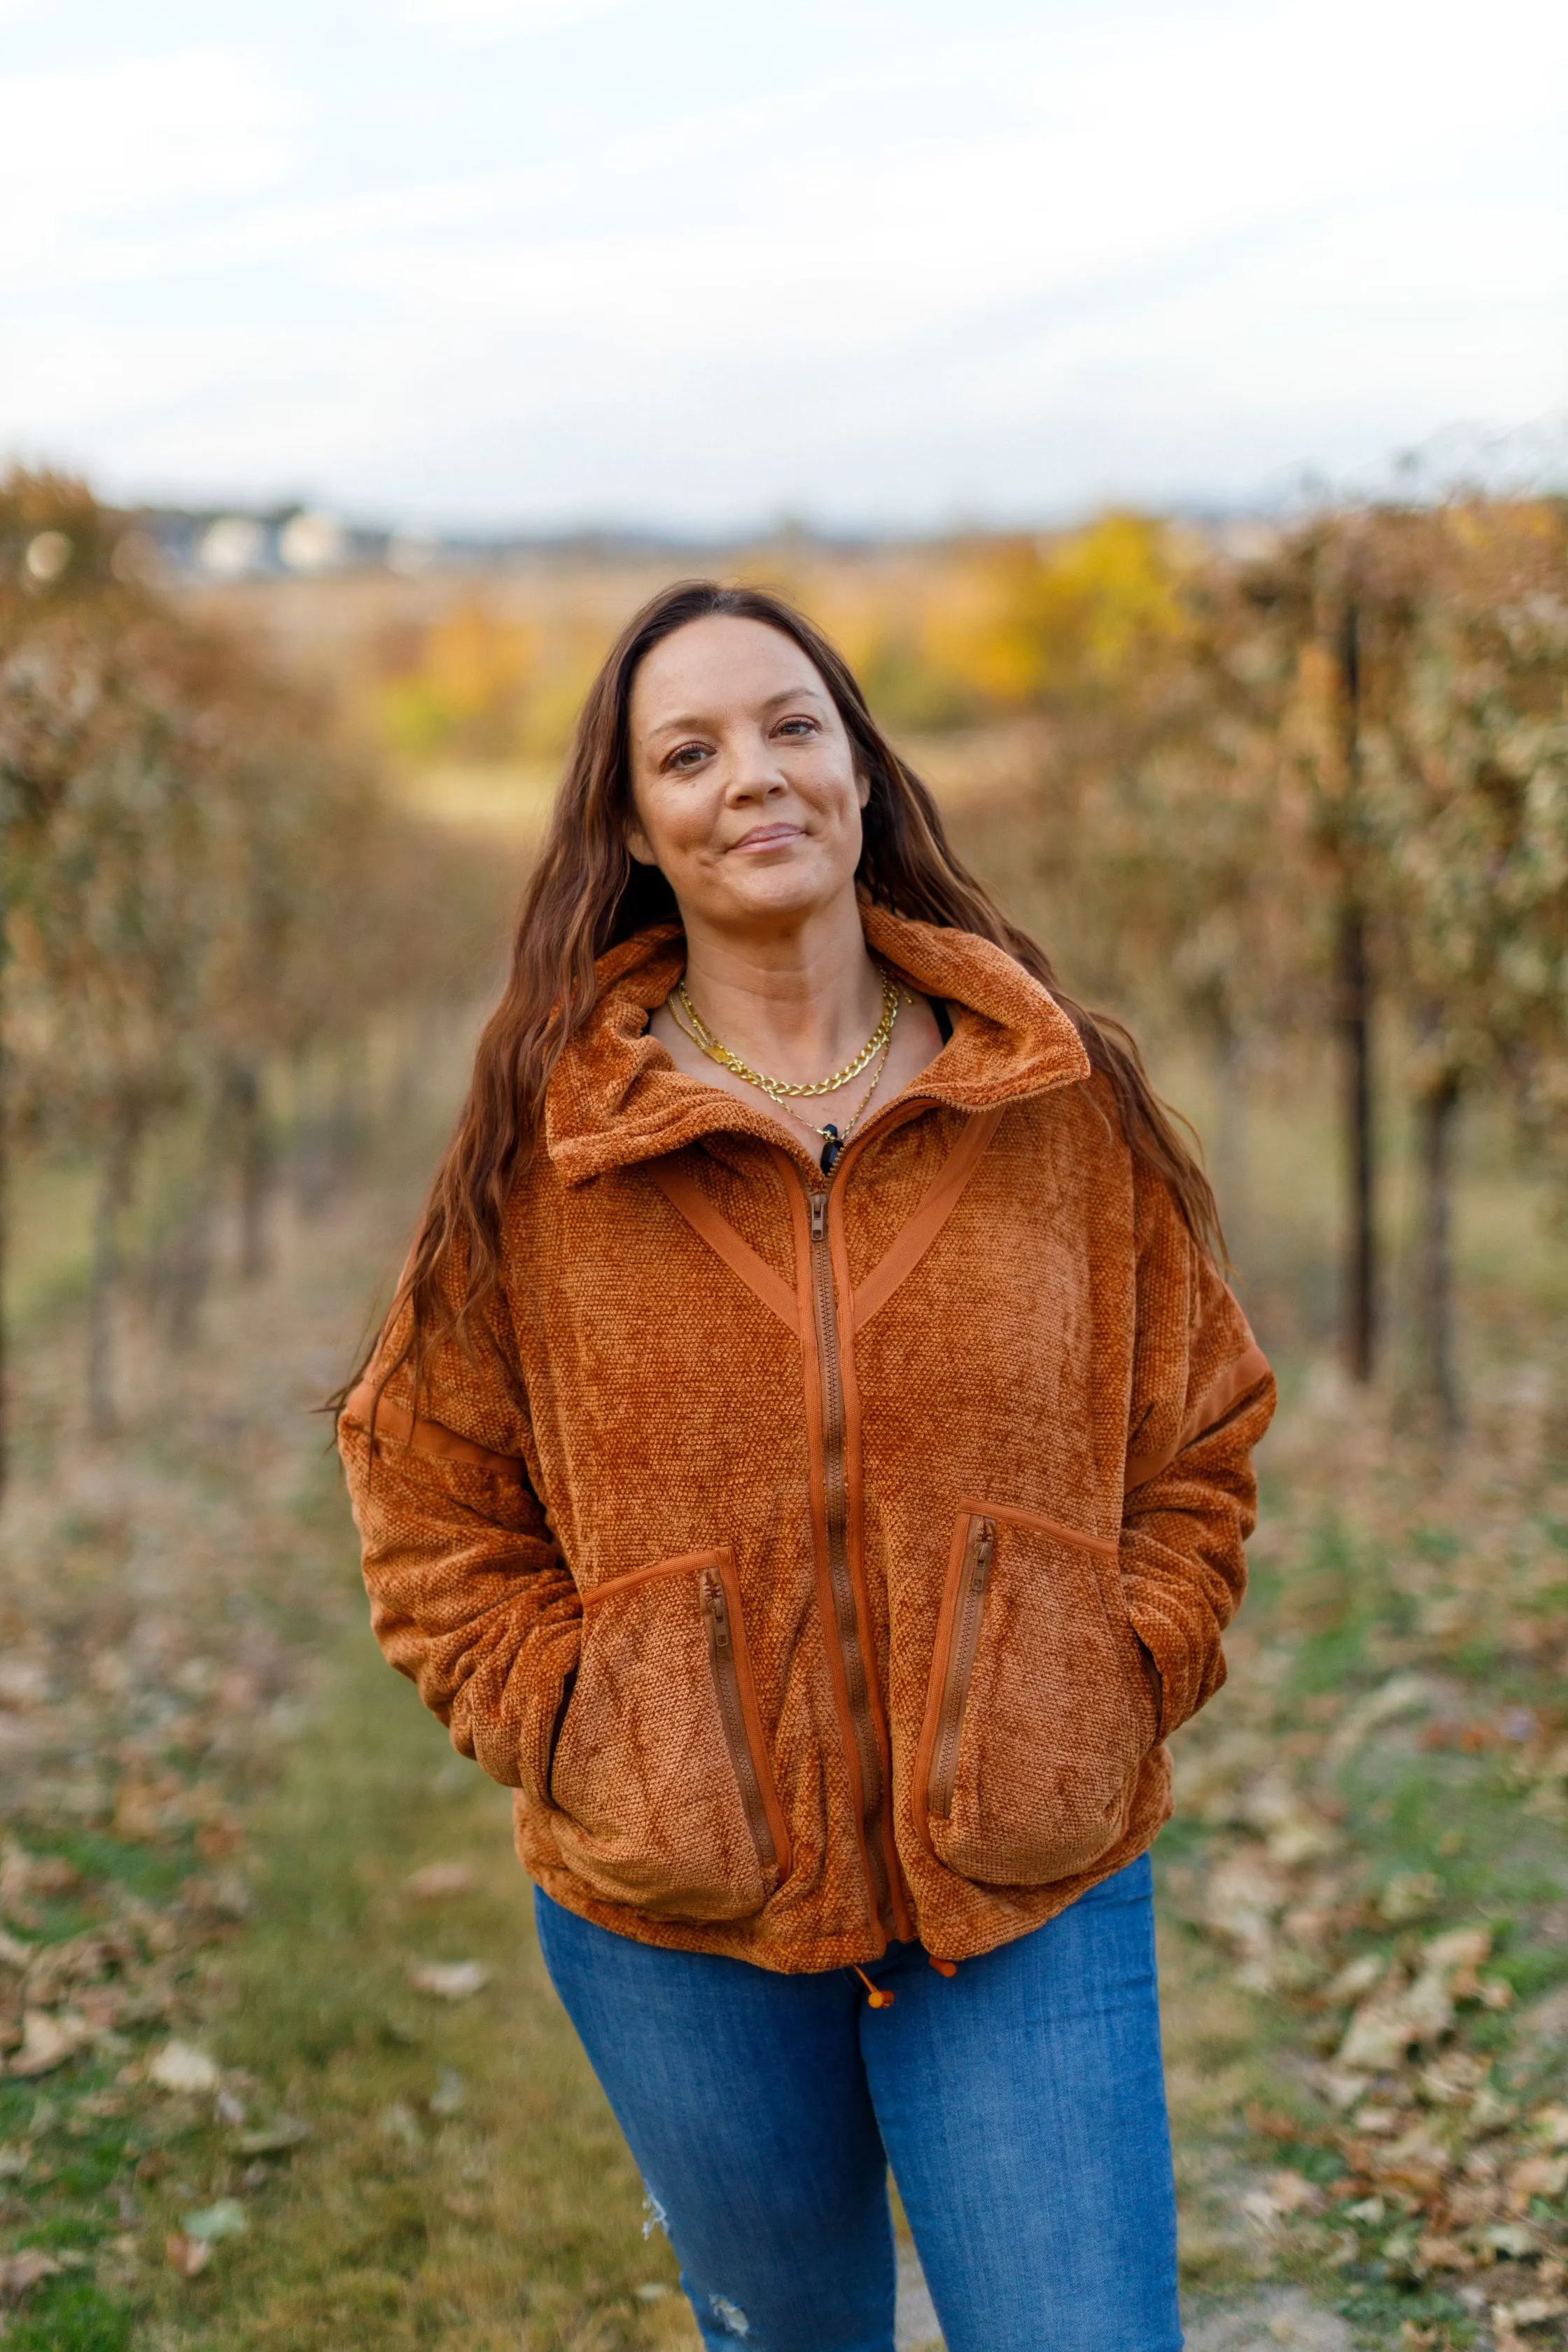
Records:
x=515, y=2220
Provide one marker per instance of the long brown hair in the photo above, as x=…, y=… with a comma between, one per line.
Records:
x=587, y=893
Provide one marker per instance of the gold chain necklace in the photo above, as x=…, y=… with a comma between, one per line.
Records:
x=834, y=1137
x=782, y=1090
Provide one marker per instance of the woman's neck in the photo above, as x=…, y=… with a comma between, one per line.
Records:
x=798, y=1002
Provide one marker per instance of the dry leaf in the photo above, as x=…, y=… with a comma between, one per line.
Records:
x=274, y=2139
x=1552, y=2122
x=226, y=2218
x=48, y=2039
x=1445, y=2254
x=1415, y=2161
x=1460, y=1947
x=21, y=2273
x=438, y=1880
x=1401, y=2014
x=1398, y=2015
x=1538, y=2175
x=180, y=2066
x=1356, y=1977
x=1282, y=2194
x=450, y=1979
x=1453, y=2077
x=1530, y=2311
x=1292, y=2192
x=189, y=2256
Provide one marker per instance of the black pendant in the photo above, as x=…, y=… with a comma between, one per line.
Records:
x=831, y=1149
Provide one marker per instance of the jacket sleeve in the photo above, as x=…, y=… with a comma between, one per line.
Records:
x=1202, y=1395
x=469, y=1597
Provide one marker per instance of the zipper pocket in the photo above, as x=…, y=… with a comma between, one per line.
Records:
x=732, y=1713
x=974, y=1576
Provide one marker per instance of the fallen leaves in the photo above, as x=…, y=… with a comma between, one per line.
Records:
x=439, y=1881
x=1455, y=2152
x=188, y=2251
x=19, y=2273
x=1406, y=2011
x=1538, y=2175
x=180, y=2066
x=226, y=2218
x=1282, y=2194
x=187, y=2255
x=450, y=1979
x=48, y=2039
x=275, y=2139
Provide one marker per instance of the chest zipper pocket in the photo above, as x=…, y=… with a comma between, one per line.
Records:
x=974, y=1576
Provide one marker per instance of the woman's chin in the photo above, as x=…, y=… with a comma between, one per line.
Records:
x=773, y=894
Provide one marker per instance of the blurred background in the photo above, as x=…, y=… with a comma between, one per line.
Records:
x=1166, y=409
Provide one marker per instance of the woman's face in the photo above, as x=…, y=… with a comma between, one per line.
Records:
x=743, y=780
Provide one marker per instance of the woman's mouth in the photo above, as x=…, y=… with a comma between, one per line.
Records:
x=769, y=836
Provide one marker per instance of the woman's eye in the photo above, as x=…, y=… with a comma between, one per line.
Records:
x=798, y=727
x=689, y=756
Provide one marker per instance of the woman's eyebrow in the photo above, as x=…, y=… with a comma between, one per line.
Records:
x=774, y=702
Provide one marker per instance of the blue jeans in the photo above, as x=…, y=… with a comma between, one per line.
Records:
x=1021, y=2104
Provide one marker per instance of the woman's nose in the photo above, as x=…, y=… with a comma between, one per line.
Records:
x=754, y=773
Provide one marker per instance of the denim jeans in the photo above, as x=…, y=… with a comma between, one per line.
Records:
x=1020, y=2103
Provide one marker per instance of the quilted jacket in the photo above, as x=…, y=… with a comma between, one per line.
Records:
x=823, y=1561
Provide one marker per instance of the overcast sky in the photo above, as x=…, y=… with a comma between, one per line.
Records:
x=699, y=263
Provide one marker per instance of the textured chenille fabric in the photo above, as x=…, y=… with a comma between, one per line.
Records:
x=823, y=1571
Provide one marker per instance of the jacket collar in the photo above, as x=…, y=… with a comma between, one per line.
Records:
x=617, y=1097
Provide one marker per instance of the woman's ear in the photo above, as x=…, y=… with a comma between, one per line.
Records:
x=862, y=786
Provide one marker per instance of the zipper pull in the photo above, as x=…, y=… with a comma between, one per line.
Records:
x=715, y=1610
x=985, y=1546
x=818, y=1216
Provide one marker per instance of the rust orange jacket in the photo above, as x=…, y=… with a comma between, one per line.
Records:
x=825, y=1563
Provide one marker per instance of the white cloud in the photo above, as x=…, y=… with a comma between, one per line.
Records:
x=87, y=150
x=1197, y=243
x=505, y=16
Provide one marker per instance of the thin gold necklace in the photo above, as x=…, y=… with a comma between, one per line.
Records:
x=780, y=1090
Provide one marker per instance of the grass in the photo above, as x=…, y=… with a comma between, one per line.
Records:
x=464, y=2182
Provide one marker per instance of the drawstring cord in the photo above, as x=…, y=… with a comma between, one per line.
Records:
x=876, y=1999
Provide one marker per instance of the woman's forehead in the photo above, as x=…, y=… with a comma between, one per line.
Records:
x=720, y=663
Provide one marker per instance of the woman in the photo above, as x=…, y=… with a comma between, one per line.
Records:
x=807, y=1462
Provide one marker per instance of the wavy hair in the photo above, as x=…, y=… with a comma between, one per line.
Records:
x=587, y=893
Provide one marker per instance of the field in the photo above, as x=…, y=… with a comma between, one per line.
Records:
x=284, y=2069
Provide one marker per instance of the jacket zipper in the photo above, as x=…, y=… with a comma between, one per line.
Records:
x=974, y=1578
x=732, y=1715
x=836, y=1489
